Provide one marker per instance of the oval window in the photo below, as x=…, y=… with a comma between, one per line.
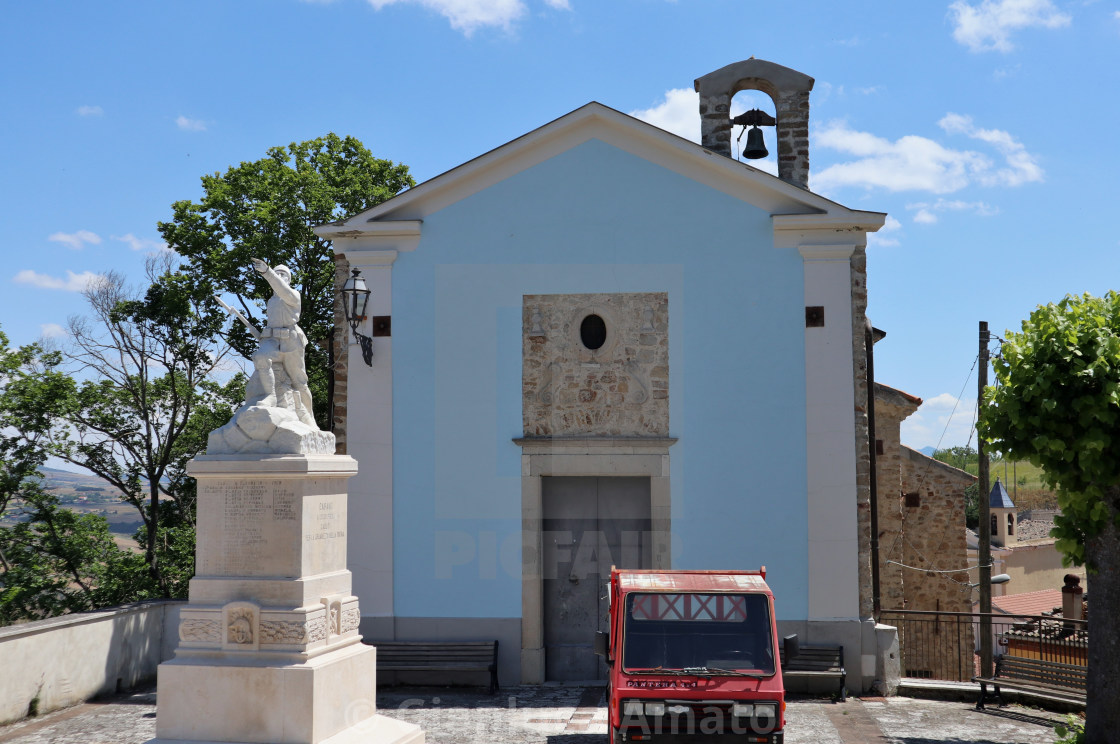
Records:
x=593, y=332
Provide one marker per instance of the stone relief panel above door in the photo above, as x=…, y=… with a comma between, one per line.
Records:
x=595, y=365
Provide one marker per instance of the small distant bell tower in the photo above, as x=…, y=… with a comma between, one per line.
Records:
x=1003, y=516
x=788, y=89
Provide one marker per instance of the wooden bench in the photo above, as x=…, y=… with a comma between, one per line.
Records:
x=813, y=662
x=442, y=656
x=1041, y=677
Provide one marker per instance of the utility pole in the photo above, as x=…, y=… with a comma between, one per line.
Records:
x=985, y=518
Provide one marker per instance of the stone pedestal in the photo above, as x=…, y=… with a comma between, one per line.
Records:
x=269, y=650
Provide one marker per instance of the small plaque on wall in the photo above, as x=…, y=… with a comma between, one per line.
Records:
x=382, y=325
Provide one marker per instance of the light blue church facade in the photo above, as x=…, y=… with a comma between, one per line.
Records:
x=609, y=345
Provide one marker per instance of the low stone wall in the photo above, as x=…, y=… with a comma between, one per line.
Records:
x=58, y=662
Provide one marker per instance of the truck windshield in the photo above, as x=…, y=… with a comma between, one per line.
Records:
x=703, y=632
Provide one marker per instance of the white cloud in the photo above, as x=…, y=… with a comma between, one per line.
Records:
x=941, y=421
x=989, y=25
x=52, y=330
x=911, y=163
x=678, y=113
x=72, y=283
x=915, y=163
x=927, y=211
x=883, y=237
x=75, y=240
x=468, y=16
x=90, y=111
x=190, y=125
x=141, y=244
x=1006, y=72
x=1021, y=167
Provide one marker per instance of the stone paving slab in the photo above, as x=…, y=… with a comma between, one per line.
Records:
x=577, y=715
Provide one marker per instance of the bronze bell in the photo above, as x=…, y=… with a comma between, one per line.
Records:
x=755, y=148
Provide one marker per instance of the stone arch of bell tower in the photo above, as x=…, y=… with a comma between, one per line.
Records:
x=789, y=89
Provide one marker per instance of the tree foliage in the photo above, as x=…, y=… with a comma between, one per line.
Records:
x=129, y=400
x=959, y=457
x=57, y=561
x=266, y=209
x=1057, y=404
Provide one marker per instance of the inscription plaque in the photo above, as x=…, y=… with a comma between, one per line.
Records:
x=250, y=515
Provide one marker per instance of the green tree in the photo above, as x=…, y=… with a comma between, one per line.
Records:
x=972, y=506
x=1057, y=404
x=128, y=400
x=57, y=561
x=959, y=457
x=266, y=209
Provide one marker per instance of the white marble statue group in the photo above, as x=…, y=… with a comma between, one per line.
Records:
x=276, y=417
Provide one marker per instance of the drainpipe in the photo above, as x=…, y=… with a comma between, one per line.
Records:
x=869, y=344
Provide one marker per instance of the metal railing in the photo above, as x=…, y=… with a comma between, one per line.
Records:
x=945, y=645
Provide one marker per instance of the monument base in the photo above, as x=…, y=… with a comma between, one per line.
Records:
x=330, y=699
x=269, y=651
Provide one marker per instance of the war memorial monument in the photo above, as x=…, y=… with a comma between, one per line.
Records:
x=269, y=650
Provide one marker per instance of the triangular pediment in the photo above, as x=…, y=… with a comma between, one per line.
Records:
x=594, y=121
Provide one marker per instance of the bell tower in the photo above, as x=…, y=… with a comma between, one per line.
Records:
x=789, y=89
x=1003, y=516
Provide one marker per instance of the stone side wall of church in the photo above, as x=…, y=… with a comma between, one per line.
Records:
x=620, y=389
x=888, y=472
x=935, y=535
x=935, y=540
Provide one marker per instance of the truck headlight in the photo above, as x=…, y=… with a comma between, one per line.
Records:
x=766, y=710
x=742, y=710
x=655, y=709
x=632, y=708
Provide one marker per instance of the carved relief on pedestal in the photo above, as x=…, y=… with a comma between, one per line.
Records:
x=595, y=365
x=334, y=616
x=287, y=632
x=200, y=631
x=317, y=631
x=240, y=621
x=351, y=619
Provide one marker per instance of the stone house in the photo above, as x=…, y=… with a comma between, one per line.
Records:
x=921, y=517
x=603, y=344
x=923, y=558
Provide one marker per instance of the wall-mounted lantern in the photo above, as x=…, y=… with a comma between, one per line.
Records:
x=355, y=297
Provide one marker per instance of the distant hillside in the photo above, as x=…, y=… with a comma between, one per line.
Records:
x=87, y=494
x=65, y=482
x=928, y=451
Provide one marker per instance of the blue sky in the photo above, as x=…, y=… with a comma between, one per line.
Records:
x=985, y=128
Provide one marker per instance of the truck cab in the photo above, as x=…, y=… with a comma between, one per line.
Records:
x=693, y=656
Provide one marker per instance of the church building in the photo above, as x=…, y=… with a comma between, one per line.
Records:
x=602, y=344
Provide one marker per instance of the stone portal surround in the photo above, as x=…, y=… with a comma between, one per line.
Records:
x=623, y=456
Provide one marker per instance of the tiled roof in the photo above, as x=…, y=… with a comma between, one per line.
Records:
x=998, y=499
x=1028, y=603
